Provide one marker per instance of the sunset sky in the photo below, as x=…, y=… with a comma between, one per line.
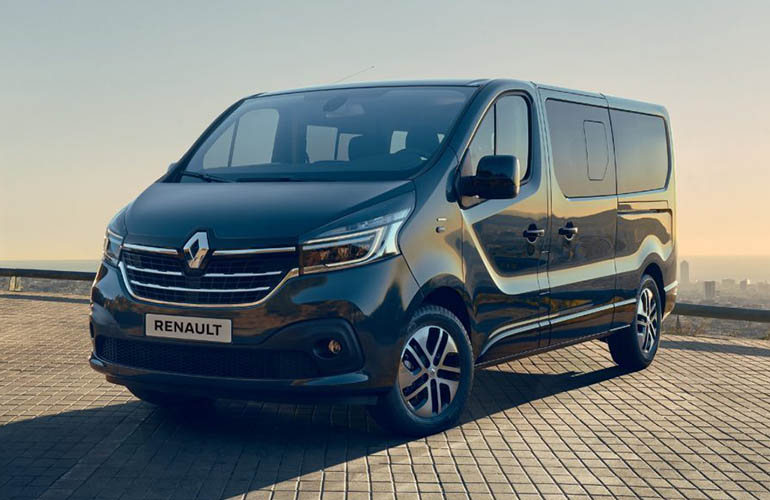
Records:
x=97, y=98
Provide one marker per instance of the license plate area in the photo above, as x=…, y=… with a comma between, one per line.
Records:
x=188, y=328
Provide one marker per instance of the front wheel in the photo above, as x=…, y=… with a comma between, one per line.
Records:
x=634, y=349
x=435, y=375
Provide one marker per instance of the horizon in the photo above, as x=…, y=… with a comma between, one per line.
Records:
x=679, y=258
x=95, y=118
x=717, y=267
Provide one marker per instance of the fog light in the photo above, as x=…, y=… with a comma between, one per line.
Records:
x=334, y=347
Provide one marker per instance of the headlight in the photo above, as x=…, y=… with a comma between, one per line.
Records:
x=353, y=245
x=112, y=243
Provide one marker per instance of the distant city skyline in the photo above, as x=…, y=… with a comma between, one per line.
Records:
x=99, y=97
x=719, y=267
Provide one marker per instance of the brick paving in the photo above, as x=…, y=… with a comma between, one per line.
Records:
x=567, y=424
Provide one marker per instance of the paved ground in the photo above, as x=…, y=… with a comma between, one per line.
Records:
x=566, y=424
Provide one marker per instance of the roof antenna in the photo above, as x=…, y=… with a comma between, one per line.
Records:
x=354, y=74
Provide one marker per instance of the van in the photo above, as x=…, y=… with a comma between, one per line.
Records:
x=376, y=243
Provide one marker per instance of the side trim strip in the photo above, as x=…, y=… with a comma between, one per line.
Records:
x=553, y=319
x=539, y=350
x=670, y=287
x=580, y=314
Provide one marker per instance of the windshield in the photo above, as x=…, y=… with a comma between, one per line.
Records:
x=343, y=134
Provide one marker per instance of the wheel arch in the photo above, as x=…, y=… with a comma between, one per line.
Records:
x=654, y=270
x=448, y=292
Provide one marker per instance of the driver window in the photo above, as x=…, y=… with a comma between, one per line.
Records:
x=483, y=143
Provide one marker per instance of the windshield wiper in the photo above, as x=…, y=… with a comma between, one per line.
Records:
x=267, y=179
x=206, y=177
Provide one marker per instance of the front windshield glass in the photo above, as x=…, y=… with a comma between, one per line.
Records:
x=342, y=134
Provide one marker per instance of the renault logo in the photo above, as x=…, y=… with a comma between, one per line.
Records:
x=195, y=249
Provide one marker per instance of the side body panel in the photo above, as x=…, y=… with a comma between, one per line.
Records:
x=581, y=266
x=525, y=298
x=646, y=240
x=505, y=269
x=481, y=252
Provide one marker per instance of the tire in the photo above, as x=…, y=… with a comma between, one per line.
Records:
x=431, y=389
x=169, y=399
x=634, y=348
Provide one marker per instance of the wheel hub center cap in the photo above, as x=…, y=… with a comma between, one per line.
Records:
x=432, y=371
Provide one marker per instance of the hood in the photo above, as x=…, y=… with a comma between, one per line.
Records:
x=251, y=213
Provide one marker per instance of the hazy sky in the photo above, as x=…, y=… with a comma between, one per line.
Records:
x=97, y=98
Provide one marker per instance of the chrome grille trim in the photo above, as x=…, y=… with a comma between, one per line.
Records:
x=143, y=248
x=201, y=290
x=174, y=287
x=293, y=273
x=153, y=271
x=253, y=251
x=240, y=275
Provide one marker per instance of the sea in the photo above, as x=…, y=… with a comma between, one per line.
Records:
x=55, y=265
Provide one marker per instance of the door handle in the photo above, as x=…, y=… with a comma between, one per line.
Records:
x=569, y=231
x=532, y=233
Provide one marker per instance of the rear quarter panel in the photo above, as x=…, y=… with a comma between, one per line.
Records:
x=646, y=231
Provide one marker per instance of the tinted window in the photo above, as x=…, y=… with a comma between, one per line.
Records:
x=320, y=143
x=597, y=150
x=343, y=143
x=332, y=134
x=581, y=148
x=483, y=143
x=503, y=131
x=254, y=137
x=641, y=150
x=512, y=117
x=218, y=154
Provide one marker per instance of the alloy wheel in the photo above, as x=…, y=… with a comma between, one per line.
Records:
x=429, y=372
x=647, y=321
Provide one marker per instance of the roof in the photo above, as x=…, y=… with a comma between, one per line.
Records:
x=392, y=83
x=614, y=102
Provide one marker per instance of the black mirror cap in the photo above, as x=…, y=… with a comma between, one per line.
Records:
x=497, y=178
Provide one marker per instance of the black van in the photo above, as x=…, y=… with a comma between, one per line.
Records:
x=375, y=243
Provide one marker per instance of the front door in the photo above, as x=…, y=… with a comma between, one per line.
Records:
x=504, y=240
x=581, y=262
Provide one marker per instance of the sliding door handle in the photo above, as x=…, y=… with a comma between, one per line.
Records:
x=569, y=231
x=532, y=233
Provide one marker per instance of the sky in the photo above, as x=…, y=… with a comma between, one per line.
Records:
x=97, y=98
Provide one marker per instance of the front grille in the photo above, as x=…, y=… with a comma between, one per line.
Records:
x=226, y=279
x=207, y=360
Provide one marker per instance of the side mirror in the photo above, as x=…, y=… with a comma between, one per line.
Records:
x=171, y=167
x=497, y=178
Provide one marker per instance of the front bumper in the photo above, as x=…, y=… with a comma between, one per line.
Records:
x=365, y=308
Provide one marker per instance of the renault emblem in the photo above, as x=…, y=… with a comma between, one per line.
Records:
x=195, y=249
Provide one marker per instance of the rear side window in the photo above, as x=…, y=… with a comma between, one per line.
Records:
x=641, y=151
x=597, y=150
x=582, y=148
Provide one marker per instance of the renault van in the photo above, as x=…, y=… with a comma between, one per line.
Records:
x=376, y=243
